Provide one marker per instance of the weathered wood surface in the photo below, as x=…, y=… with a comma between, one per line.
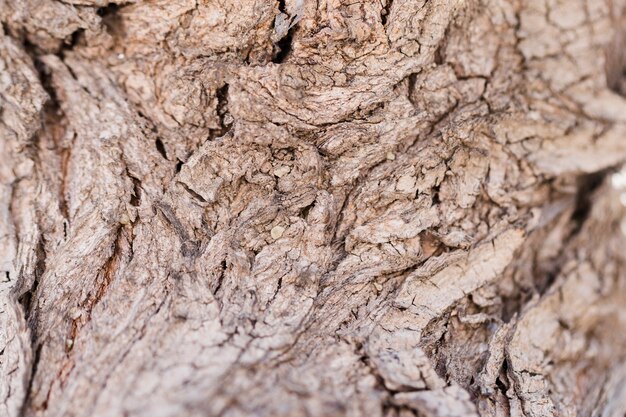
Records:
x=312, y=208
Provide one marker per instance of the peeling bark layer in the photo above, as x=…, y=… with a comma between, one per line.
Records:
x=367, y=208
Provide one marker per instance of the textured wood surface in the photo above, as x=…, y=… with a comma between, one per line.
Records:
x=312, y=208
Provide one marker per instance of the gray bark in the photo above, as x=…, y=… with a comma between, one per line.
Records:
x=312, y=208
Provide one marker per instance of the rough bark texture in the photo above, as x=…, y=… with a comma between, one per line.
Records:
x=312, y=208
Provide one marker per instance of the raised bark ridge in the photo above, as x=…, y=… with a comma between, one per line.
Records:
x=312, y=208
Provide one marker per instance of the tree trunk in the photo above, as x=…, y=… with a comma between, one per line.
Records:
x=312, y=208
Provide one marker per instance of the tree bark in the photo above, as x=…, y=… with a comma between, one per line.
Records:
x=312, y=208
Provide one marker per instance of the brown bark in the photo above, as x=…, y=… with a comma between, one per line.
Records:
x=316, y=208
